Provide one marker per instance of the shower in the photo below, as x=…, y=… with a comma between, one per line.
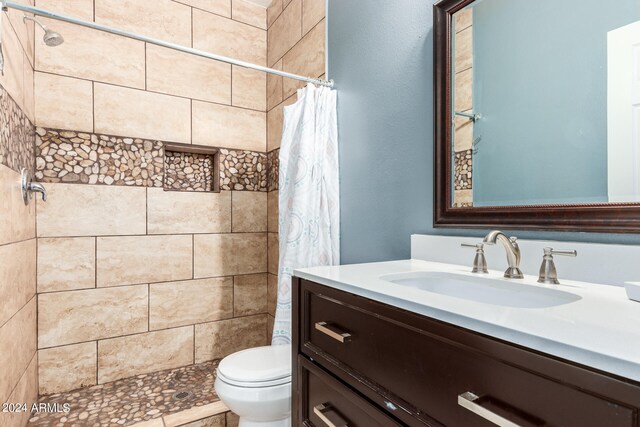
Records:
x=50, y=37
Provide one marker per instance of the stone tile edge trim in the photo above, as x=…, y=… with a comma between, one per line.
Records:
x=17, y=135
x=273, y=167
x=68, y=156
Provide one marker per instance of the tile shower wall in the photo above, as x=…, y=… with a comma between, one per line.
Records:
x=133, y=279
x=18, y=359
x=463, y=131
x=296, y=43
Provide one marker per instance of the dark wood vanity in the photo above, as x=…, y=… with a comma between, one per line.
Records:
x=359, y=362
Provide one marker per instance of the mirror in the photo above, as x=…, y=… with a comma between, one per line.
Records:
x=537, y=110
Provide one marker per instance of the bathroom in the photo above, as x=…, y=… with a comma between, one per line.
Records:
x=147, y=288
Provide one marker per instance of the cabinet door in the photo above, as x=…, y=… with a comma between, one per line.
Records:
x=452, y=383
x=328, y=403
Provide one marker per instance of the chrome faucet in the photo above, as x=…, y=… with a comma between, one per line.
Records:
x=29, y=187
x=513, y=252
x=35, y=187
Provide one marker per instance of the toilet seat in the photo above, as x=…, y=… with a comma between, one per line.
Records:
x=249, y=384
x=257, y=367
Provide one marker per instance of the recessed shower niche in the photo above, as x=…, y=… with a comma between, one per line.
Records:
x=191, y=168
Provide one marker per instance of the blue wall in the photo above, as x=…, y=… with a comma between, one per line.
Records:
x=546, y=125
x=380, y=56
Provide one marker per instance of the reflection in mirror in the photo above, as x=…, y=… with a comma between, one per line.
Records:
x=546, y=102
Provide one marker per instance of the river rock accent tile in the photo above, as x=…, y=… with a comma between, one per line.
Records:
x=68, y=156
x=243, y=170
x=188, y=171
x=462, y=175
x=17, y=135
x=273, y=166
x=78, y=157
x=129, y=401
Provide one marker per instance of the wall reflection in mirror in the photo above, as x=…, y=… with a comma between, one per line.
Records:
x=546, y=102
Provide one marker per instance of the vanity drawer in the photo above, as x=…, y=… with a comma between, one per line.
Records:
x=398, y=355
x=328, y=403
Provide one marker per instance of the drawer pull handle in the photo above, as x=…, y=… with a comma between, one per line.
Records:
x=333, y=332
x=323, y=409
x=467, y=401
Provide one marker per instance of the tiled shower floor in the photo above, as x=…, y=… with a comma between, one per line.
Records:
x=165, y=398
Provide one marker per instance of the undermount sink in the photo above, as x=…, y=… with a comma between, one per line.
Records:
x=486, y=290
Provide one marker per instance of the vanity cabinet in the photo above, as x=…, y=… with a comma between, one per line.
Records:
x=358, y=362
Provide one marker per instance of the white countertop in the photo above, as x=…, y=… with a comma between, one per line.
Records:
x=601, y=330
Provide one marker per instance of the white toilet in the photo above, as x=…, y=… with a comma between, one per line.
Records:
x=256, y=385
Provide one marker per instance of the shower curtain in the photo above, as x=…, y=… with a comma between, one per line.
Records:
x=309, y=209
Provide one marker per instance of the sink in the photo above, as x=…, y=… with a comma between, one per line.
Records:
x=507, y=293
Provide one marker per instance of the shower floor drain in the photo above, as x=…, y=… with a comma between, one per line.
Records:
x=182, y=395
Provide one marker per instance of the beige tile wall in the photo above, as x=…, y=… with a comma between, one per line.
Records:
x=118, y=86
x=18, y=358
x=113, y=291
x=295, y=43
x=132, y=279
x=463, y=67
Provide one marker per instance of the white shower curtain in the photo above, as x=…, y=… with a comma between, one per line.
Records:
x=309, y=216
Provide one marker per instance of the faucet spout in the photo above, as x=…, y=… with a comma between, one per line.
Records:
x=512, y=250
x=39, y=188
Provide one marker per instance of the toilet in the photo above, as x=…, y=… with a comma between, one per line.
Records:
x=256, y=385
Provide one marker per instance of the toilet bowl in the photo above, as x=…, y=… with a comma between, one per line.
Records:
x=256, y=385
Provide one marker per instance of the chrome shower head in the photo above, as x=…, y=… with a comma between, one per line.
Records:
x=50, y=37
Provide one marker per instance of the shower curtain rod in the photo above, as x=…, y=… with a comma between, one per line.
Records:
x=157, y=42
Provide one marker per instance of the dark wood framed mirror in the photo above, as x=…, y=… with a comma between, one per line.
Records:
x=469, y=181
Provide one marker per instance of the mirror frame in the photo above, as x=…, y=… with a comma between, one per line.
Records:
x=600, y=217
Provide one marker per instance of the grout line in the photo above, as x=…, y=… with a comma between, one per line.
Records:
x=277, y=16
x=150, y=235
x=190, y=125
x=166, y=282
x=323, y=22
x=231, y=86
x=114, y=185
x=93, y=106
x=193, y=256
x=146, y=74
x=97, y=364
x=19, y=310
x=95, y=262
x=18, y=241
x=231, y=211
x=175, y=327
x=233, y=296
x=148, y=307
x=146, y=211
x=144, y=90
x=221, y=16
x=13, y=389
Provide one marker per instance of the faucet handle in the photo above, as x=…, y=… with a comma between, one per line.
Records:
x=480, y=261
x=548, y=273
x=550, y=252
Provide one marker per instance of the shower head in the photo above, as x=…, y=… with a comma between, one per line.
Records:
x=50, y=37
